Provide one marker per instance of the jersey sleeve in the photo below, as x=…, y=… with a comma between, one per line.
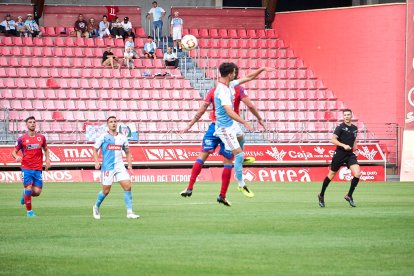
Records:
x=338, y=131
x=125, y=145
x=19, y=144
x=243, y=92
x=99, y=141
x=233, y=83
x=44, y=145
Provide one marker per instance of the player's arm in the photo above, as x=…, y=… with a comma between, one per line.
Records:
x=96, y=158
x=335, y=141
x=129, y=157
x=47, y=158
x=197, y=116
x=254, y=75
x=237, y=118
x=250, y=105
x=15, y=156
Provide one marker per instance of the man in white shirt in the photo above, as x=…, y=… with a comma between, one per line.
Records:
x=170, y=58
x=128, y=58
x=176, y=30
x=130, y=44
x=157, y=14
x=127, y=25
x=149, y=48
x=8, y=26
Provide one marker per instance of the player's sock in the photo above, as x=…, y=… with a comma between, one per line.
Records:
x=128, y=200
x=101, y=197
x=225, y=180
x=28, y=199
x=238, y=168
x=198, y=165
x=325, y=184
x=354, y=183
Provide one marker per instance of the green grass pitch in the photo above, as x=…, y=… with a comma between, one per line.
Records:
x=281, y=231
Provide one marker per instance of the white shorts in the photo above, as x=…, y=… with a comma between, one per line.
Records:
x=176, y=33
x=107, y=177
x=228, y=135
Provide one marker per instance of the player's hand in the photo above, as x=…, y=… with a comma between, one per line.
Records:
x=356, y=152
x=130, y=168
x=269, y=69
x=261, y=122
x=47, y=166
x=248, y=126
x=346, y=147
x=186, y=129
x=97, y=166
x=18, y=159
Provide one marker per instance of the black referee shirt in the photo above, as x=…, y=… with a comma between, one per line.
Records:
x=346, y=135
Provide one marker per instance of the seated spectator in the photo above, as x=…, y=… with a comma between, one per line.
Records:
x=21, y=27
x=32, y=27
x=128, y=58
x=81, y=27
x=8, y=26
x=150, y=47
x=130, y=44
x=104, y=26
x=108, y=59
x=92, y=28
x=127, y=28
x=117, y=28
x=170, y=58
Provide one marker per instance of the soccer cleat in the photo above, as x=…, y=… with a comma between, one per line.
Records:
x=186, y=193
x=321, y=201
x=95, y=212
x=31, y=214
x=132, y=216
x=350, y=200
x=246, y=191
x=223, y=201
x=249, y=160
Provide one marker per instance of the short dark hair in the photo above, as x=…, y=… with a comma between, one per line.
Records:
x=110, y=117
x=150, y=37
x=227, y=68
x=104, y=16
x=154, y=2
x=30, y=118
x=347, y=110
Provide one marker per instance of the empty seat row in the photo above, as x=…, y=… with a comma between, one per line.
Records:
x=292, y=95
x=293, y=105
x=231, y=33
x=244, y=53
x=280, y=84
x=241, y=43
x=33, y=72
x=72, y=62
x=253, y=63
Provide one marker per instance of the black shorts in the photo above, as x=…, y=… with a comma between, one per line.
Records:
x=341, y=158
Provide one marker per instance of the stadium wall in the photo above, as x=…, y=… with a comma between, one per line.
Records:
x=357, y=52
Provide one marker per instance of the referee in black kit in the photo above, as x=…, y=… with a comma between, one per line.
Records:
x=346, y=152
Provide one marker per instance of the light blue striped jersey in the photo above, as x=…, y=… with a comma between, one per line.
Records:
x=112, y=147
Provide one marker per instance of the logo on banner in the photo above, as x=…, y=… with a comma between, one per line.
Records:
x=166, y=154
x=276, y=154
x=249, y=175
x=97, y=176
x=319, y=150
x=53, y=157
x=410, y=97
x=370, y=155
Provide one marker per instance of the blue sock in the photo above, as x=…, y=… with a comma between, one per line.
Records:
x=100, y=198
x=242, y=143
x=200, y=161
x=238, y=166
x=22, y=198
x=128, y=200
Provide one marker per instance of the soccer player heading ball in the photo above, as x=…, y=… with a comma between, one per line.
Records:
x=344, y=137
x=32, y=145
x=113, y=168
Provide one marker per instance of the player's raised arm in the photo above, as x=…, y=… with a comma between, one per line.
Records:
x=254, y=74
x=237, y=118
x=200, y=112
x=250, y=105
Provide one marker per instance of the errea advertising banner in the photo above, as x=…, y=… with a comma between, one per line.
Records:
x=186, y=154
x=252, y=174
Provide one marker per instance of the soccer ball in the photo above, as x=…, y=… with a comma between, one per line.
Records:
x=189, y=42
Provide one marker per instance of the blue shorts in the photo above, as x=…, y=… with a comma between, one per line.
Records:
x=210, y=143
x=32, y=177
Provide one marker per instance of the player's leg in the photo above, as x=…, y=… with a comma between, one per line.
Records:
x=225, y=179
x=325, y=184
x=248, y=160
x=37, y=183
x=356, y=172
x=125, y=182
x=106, y=180
x=28, y=179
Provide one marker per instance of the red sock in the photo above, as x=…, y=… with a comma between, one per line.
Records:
x=28, y=199
x=198, y=165
x=225, y=180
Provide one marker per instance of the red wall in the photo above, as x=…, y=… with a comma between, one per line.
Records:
x=359, y=53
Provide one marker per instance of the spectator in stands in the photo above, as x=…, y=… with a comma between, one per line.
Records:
x=108, y=59
x=21, y=27
x=157, y=14
x=104, y=27
x=117, y=28
x=128, y=58
x=176, y=30
x=81, y=27
x=127, y=28
x=170, y=58
x=130, y=44
x=32, y=27
x=8, y=26
x=92, y=28
x=149, y=48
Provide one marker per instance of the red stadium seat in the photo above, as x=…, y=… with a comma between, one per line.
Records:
x=214, y=33
x=69, y=42
x=50, y=31
x=203, y=33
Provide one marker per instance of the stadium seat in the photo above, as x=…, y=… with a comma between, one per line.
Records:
x=214, y=33
x=69, y=42
x=50, y=31
x=203, y=33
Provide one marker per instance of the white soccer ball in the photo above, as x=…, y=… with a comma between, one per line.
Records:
x=189, y=42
